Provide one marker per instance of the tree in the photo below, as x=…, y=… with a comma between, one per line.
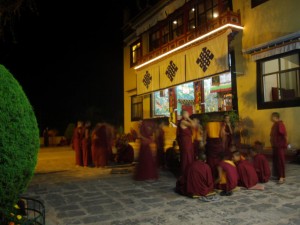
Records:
x=19, y=142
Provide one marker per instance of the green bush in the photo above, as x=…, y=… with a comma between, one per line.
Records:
x=19, y=141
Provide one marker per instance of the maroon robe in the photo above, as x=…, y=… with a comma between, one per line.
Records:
x=186, y=148
x=125, y=154
x=262, y=167
x=227, y=139
x=101, y=145
x=146, y=168
x=160, y=146
x=279, y=146
x=197, y=180
x=76, y=145
x=247, y=174
x=86, y=147
x=231, y=176
x=214, y=149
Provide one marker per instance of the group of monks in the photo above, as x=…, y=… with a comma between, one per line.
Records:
x=93, y=147
x=217, y=164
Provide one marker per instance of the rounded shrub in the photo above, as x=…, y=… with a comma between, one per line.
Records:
x=19, y=141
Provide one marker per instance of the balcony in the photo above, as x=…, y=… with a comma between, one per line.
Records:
x=227, y=17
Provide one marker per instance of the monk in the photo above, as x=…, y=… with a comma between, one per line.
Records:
x=185, y=142
x=278, y=139
x=102, y=141
x=214, y=147
x=246, y=171
x=125, y=152
x=261, y=165
x=86, y=144
x=227, y=179
x=146, y=169
x=227, y=134
x=160, y=145
x=198, y=138
x=76, y=143
x=198, y=180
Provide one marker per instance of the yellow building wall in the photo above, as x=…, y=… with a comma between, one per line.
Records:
x=263, y=23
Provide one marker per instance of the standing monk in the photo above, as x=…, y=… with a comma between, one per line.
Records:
x=227, y=135
x=86, y=144
x=76, y=143
x=278, y=139
x=102, y=141
x=185, y=142
x=160, y=144
x=146, y=168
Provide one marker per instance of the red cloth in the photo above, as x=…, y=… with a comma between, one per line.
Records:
x=262, y=168
x=125, y=154
x=185, y=143
x=160, y=146
x=101, y=145
x=231, y=176
x=146, y=168
x=227, y=139
x=247, y=174
x=279, y=145
x=76, y=144
x=86, y=147
x=198, y=180
x=214, y=149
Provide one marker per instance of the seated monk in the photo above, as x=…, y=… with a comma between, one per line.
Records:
x=125, y=152
x=261, y=165
x=246, y=172
x=227, y=179
x=198, y=180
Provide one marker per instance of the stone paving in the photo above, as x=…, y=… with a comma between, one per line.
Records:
x=97, y=196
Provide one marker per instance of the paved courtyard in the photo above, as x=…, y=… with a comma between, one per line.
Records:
x=104, y=196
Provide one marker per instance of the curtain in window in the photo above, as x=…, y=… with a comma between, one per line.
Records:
x=210, y=57
x=148, y=80
x=172, y=71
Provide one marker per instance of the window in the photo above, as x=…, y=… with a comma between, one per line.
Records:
x=161, y=103
x=207, y=11
x=136, y=108
x=177, y=27
x=135, y=53
x=255, y=3
x=279, y=82
x=154, y=40
x=192, y=19
x=165, y=34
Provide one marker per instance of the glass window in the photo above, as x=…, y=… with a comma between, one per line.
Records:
x=135, y=53
x=165, y=34
x=192, y=17
x=154, y=40
x=177, y=27
x=185, y=97
x=280, y=82
x=136, y=108
x=161, y=103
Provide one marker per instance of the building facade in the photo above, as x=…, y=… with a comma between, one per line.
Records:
x=212, y=57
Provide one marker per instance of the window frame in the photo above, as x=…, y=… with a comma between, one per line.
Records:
x=134, y=117
x=139, y=52
x=261, y=104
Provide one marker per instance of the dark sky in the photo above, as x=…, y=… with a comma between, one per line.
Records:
x=68, y=59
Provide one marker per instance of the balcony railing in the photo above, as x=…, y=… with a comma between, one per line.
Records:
x=225, y=18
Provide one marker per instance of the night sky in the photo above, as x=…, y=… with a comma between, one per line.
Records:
x=68, y=57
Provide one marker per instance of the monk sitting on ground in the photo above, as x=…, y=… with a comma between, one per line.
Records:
x=227, y=176
x=246, y=172
x=198, y=180
x=260, y=164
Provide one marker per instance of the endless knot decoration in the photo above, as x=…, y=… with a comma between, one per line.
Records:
x=147, y=79
x=171, y=70
x=204, y=59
